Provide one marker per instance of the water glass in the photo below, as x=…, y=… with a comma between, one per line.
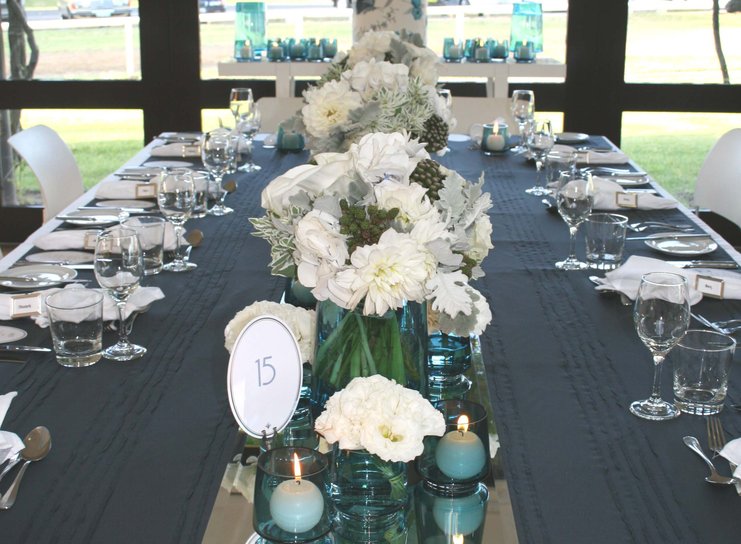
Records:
x=76, y=325
x=557, y=162
x=574, y=200
x=151, y=232
x=523, y=110
x=701, y=361
x=200, y=203
x=605, y=239
x=176, y=197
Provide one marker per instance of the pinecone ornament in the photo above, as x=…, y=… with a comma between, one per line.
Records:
x=428, y=175
x=435, y=134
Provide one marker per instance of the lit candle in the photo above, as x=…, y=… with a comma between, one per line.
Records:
x=454, y=52
x=524, y=52
x=296, y=505
x=495, y=141
x=276, y=52
x=297, y=50
x=481, y=53
x=460, y=454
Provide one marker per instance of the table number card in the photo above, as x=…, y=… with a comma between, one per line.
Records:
x=146, y=190
x=264, y=377
x=710, y=286
x=25, y=305
x=626, y=200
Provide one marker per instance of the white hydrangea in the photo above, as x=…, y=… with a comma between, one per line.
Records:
x=328, y=107
x=368, y=77
x=394, y=155
x=411, y=200
x=320, y=248
x=373, y=45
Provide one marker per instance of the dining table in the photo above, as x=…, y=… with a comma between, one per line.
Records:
x=139, y=448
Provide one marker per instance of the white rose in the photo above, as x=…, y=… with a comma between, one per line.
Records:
x=480, y=239
x=411, y=200
x=379, y=155
x=328, y=107
x=373, y=45
x=318, y=242
x=368, y=77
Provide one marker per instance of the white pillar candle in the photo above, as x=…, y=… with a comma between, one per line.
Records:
x=460, y=454
x=296, y=505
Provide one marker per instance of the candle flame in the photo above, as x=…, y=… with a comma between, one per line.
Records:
x=296, y=468
x=495, y=128
x=457, y=539
x=463, y=423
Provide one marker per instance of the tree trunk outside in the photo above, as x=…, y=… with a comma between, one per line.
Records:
x=718, y=46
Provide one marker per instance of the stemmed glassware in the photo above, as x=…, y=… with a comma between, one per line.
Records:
x=217, y=154
x=661, y=315
x=523, y=110
x=176, y=196
x=540, y=141
x=119, y=268
x=574, y=198
x=241, y=102
x=247, y=127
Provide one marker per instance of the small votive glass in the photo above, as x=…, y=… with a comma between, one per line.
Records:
x=524, y=51
x=291, y=508
x=275, y=51
x=454, y=464
x=329, y=48
x=701, y=361
x=76, y=325
x=440, y=519
x=298, y=433
x=494, y=138
x=452, y=50
x=200, y=204
x=314, y=51
x=151, y=232
x=289, y=140
x=605, y=240
x=297, y=50
x=469, y=49
x=500, y=50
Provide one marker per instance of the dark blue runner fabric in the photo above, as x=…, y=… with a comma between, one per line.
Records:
x=139, y=448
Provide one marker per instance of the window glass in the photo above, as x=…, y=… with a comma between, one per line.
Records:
x=675, y=44
x=672, y=146
x=81, y=43
x=100, y=140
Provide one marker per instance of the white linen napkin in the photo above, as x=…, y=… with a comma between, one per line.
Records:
x=605, y=191
x=732, y=452
x=140, y=299
x=595, y=157
x=122, y=189
x=177, y=150
x=10, y=443
x=75, y=239
x=627, y=278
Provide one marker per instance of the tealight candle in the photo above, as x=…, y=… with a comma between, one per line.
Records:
x=454, y=52
x=495, y=141
x=290, y=141
x=276, y=52
x=481, y=54
x=460, y=454
x=296, y=505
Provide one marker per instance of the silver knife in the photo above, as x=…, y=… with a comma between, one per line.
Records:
x=726, y=265
x=119, y=209
x=698, y=235
x=14, y=347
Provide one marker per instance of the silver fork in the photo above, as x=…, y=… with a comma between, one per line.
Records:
x=716, y=441
x=645, y=225
x=715, y=326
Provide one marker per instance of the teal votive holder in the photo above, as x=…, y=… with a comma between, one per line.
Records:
x=440, y=519
x=524, y=51
x=329, y=48
x=495, y=138
x=297, y=50
x=453, y=50
x=289, y=140
x=276, y=51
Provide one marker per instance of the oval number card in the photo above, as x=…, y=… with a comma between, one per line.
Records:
x=264, y=378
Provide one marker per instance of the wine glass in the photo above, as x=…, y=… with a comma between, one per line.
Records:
x=119, y=268
x=523, y=109
x=574, y=198
x=247, y=128
x=176, y=196
x=241, y=102
x=539, y=140
x=217, y=153
x=661, y=315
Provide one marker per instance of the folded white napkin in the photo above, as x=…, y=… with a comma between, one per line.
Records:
x=176, y=150
x=122, y=189
x=10, y=443
x=732, y=452
x=75, y=239
x=605, y=191
x=595, y=157
x=627, y=278
x=140, y=299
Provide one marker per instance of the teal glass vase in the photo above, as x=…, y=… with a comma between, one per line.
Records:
x=527, y=25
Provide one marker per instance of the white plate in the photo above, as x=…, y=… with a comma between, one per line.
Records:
x=90, y=217
x=11, y=334
x=571, y=137
x=49, y=274
x=671, y=244
x=61, y=257
x=458, y=137
x=144, y=204
x=168, y=164
x=629, y=182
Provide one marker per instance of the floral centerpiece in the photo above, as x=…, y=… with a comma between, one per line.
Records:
x=376, y=228
x=386, y=83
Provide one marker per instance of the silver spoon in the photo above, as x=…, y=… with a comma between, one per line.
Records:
x=38, y=444
x=714, y=478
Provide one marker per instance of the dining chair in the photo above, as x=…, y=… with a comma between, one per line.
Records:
x=469, y=110
x=718, y=186
x=274, y=111
x=53, y=164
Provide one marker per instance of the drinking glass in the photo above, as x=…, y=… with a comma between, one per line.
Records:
x=176, y=198
x=248, y=126
x=574, y=198
x=241, y=102
x=119, y=268
x=523, y=109
x=661, y=315
x=217, y=153
x=540, y=140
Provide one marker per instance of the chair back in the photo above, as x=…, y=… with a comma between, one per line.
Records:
x=53, y=164
x=274, y=111
x=470, y=110
x=718, y=185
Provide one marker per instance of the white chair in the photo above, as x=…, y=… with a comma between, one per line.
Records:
x=53, y=164
x=718, y=185
x=470, y=110
x=273, y=111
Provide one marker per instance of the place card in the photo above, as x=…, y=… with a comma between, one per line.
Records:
x=25, y=305
x=264, y=376
x=710, y=286
x=626, y=200
x=145, y=190
x=90, y=240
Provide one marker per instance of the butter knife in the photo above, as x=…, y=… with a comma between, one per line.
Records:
x=14, y=347
x=725, y=265
x=696, y=236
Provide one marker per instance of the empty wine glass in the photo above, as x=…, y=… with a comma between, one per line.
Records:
x=661, y=315
x=241, y=102
x=176, y=196
x=539, y=140
x=248, y=127
x=574, y=198
x=119, y=268
x=523, y=109
x=217, y=153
